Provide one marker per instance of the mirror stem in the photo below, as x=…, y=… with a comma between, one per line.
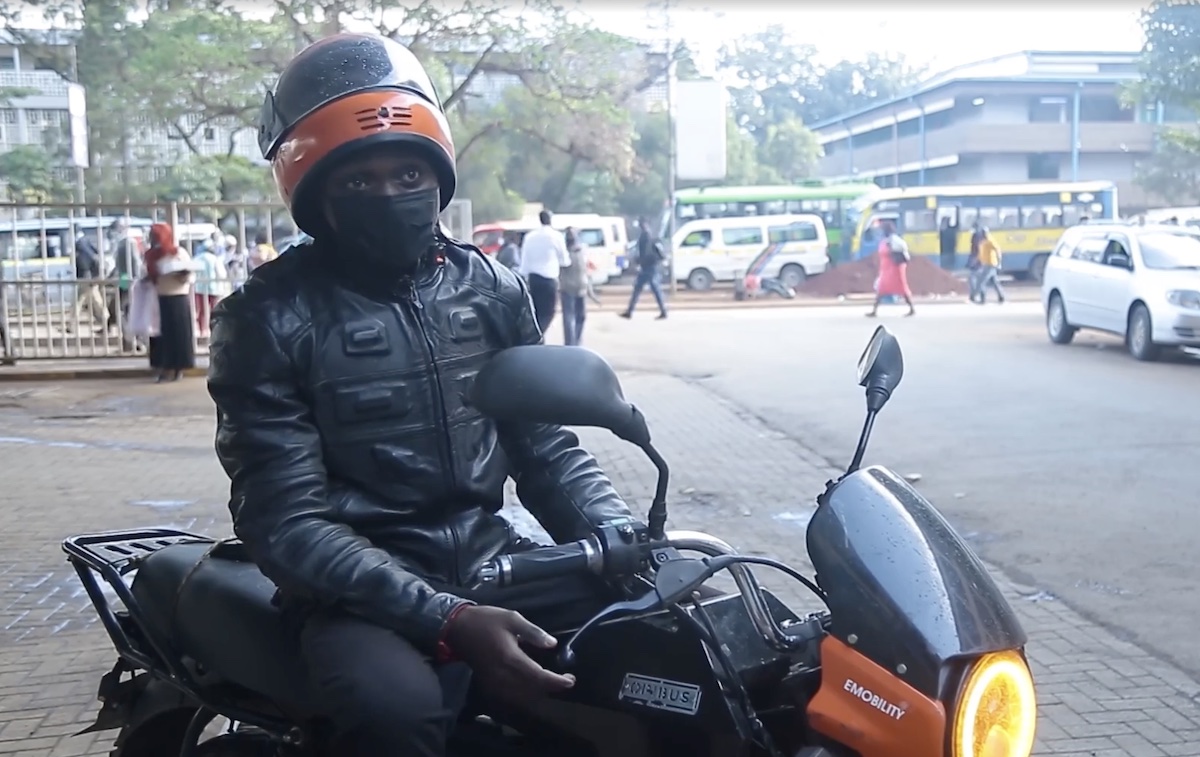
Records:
x=657, y=519
x=863, y=439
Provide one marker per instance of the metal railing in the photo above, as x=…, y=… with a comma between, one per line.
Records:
x=51, y=308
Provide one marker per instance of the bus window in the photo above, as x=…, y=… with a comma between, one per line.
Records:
x=1041, y=217
x=773, y=208
x=988, y=217
x=919, y=220
x=947, y=213
x=967, y=217
x=1010, y=218
x=702, y=238
x=1073, y=214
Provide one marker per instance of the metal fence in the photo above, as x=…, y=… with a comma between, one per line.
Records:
x=49, y=310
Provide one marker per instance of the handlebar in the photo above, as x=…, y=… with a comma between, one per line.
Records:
x=618, y=550
x=544, y=562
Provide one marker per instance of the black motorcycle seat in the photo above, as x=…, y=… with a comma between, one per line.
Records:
x=217, y=610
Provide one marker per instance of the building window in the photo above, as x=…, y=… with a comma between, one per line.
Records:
x=1044, y=167
x=7, y=63
x=210, y=133
x=1048, y=110
x=1103, y=109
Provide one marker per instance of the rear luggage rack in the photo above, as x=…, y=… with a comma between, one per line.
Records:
x=124, y=550
x=113, y=554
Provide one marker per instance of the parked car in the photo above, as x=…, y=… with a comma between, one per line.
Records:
x=1139, y=282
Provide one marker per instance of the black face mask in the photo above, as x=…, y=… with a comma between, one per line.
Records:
x=388, y=234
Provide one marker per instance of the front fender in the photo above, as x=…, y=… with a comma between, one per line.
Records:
x=904, y=589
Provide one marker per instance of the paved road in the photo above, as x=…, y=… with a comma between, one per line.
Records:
x=728, y=395
x=1072, y=467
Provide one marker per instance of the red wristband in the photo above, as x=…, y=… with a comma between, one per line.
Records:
x=444, y=653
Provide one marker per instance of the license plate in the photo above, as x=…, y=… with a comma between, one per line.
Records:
x=660, y=694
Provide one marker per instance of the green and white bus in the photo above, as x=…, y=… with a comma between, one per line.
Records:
x=833, y=202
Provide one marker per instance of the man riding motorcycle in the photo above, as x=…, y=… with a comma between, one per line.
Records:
x=362, y=482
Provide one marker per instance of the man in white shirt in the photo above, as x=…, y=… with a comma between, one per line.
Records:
x=543, y=256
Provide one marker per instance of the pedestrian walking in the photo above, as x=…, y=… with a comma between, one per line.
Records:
x=543, y=256
x=651, y=257
x=989, y=270
x=573, y=286
x=893, y=258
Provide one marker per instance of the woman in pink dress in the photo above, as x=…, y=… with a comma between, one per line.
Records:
x=893, y=269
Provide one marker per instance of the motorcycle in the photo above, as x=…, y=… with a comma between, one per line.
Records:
x=917, y=655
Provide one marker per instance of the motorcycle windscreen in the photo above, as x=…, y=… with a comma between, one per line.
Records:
x=903, y=588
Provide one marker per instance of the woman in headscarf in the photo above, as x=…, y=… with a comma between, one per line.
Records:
x=170, y=268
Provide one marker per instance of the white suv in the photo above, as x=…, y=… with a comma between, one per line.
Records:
x=1141, y=282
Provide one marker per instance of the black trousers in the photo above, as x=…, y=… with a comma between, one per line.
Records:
x=544, y=293
x=386, y=698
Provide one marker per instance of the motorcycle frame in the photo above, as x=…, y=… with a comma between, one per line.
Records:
x=111, y=556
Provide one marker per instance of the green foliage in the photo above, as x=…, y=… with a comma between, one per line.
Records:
x=1171, y=74
x=1173, y=171
x=1171, y=54
x=779, y=79
x=28, y=174
x=567, y=129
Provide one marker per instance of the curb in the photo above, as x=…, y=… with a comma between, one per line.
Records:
x=68, y=374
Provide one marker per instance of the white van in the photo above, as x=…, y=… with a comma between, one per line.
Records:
x=707, y=250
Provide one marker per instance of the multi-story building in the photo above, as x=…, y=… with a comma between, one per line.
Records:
x=1029, y=116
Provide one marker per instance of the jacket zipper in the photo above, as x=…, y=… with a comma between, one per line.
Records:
x=445, y=443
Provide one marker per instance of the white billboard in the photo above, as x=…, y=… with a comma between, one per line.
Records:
x=701, y=112
x=77, y=112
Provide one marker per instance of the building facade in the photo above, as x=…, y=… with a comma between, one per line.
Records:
x=1029, y=116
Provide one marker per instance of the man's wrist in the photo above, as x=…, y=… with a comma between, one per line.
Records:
x=445, y=652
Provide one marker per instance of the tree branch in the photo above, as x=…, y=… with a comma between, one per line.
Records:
x=475, y=71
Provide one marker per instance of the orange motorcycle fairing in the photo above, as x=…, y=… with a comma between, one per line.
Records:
x=865, y=707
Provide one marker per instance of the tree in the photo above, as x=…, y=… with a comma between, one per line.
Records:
x=1170, y=67
x=1172, y=172
x=790, y=151
x=28, y=173
x=775, y=78
x=1170, y=60
x=779, y=79
x=198, y=68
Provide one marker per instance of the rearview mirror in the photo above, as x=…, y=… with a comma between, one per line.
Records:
x=566, y=386
x=880, y=368
x=1117, y=260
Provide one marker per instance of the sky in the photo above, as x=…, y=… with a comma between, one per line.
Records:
x=937, y=35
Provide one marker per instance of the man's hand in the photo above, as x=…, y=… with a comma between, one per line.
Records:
x=489, y=640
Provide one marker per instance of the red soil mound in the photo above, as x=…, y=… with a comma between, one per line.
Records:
x=925, y=279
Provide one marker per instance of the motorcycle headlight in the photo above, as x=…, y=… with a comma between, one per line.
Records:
x=1184, y=298
x=997, y=709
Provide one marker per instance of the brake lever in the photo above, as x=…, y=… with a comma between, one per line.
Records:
x=644, y=603
x=674, y=581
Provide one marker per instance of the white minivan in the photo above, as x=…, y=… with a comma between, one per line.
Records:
x=708, y=250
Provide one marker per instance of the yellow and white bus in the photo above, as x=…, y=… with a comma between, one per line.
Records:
x=1025, y=220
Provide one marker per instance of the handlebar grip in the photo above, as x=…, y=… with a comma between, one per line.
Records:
x=542, y=563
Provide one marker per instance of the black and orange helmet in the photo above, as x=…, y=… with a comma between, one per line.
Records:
x=341, y=94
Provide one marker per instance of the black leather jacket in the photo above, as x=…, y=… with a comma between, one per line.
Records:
x=358, y=469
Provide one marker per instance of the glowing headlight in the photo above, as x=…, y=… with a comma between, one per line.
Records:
x=1184, y=298
x=997, y=709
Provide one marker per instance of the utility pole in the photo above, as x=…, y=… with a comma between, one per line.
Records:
x=670, y=148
